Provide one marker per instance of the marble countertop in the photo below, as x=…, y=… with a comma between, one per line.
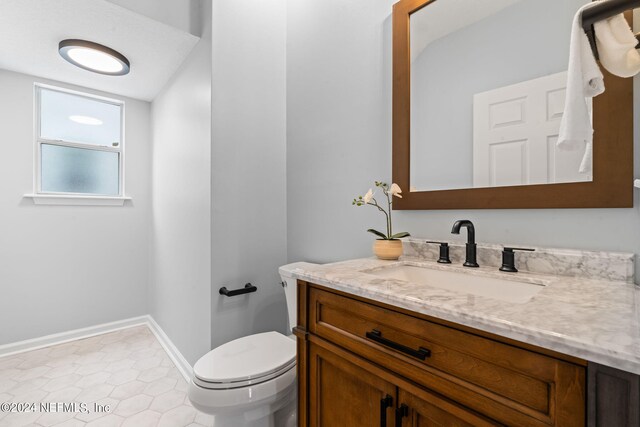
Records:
x=596, y=320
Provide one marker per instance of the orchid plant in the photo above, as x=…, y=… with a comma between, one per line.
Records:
x=368, y=199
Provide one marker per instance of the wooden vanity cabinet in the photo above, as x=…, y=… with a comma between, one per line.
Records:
x=345, y=390
x=364, y=363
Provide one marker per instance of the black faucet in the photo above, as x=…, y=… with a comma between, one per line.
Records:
x=470, y=260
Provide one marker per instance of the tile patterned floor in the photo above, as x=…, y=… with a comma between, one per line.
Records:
x=127, y=370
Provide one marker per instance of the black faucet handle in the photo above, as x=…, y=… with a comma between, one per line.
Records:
x=509, y=259
x=444, y=252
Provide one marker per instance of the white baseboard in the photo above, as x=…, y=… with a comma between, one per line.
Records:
x=76, y=334
x=54, y=339
x=176, y=357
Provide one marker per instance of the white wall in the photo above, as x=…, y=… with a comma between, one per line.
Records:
x=68, y=267
x=248, y=165
x=219, y=181
x=185, y=15
x=339, y=142
x=338, y=124
x=180, y=286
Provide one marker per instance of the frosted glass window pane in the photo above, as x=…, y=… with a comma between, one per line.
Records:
x=79, y=170
x=73, y=118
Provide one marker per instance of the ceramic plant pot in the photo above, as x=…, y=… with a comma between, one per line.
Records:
x=387, y=249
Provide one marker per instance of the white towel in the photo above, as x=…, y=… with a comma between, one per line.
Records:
x=617, y=46
x=584, y=80
x=586, y=165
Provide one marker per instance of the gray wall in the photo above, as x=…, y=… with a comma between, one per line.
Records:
x=180, y=286
x=68, y=267
x=450, y=71
x=339, y=142
x=248, y=220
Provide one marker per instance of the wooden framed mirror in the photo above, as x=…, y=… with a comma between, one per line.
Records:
x=478, y=93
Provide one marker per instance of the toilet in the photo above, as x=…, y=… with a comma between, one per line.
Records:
x=251, y=381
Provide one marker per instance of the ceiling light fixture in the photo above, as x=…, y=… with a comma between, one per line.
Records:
x=86, y=120
x=94, y=57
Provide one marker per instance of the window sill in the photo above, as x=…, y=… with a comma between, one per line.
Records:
x=76, y=200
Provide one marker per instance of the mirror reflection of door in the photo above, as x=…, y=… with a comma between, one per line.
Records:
x=487, y=94
x=515, y=131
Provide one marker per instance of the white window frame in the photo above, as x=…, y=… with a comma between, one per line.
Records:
x=61, y=198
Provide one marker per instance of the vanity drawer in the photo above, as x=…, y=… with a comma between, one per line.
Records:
x=513, y=385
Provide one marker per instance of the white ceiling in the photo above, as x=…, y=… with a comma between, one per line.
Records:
x=30, y=31
x=445, y=17
x=182, y=14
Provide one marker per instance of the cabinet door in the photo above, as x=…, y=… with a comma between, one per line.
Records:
x=421, y=408
x=341, y=393
x=613, y=396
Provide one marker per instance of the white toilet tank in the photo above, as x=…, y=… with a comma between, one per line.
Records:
x=290, y=289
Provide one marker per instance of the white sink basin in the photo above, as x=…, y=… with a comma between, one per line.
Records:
x=492, y=287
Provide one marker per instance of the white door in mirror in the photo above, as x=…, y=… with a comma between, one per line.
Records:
x=515, y=133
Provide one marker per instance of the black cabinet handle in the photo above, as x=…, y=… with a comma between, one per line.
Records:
x=384, y=404
x=248, y=288
x=422, y=353
x=401, y=412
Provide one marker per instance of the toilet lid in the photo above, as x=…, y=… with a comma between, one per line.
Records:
x=247, y=358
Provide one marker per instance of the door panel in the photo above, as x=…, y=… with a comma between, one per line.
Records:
x=345, y=394
x=428, y=410
x=614, y=397
x=515, y=131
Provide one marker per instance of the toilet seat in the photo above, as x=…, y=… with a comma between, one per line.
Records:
x=246, y=361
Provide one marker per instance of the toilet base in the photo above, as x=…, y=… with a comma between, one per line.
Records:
x=284, y=417
x=269, y=404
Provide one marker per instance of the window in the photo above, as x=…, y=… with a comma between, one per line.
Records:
x=79, y=144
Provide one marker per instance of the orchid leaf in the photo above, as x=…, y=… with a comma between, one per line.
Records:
x=400, y=235
x=377, y=233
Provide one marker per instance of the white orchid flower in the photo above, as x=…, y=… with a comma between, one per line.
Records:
x=395, y=190
x=367, y=197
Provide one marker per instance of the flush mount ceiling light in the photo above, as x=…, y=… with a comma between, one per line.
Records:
x=86, y=120
x=94, y=57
